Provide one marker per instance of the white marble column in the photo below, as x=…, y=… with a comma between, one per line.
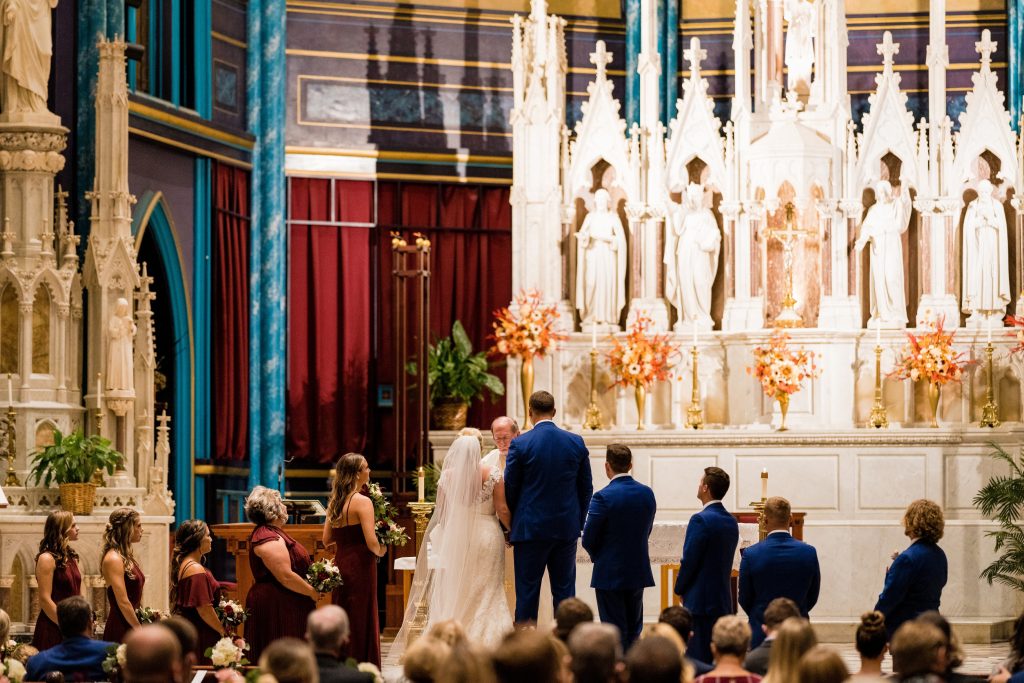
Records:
x=839, y=308
x=745, y=310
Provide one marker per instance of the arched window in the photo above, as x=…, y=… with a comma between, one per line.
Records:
x=41, y=332
x=10, y=329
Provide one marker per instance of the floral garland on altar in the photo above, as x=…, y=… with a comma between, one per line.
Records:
x=641, y=359
x=527, y=328
x=780, y=369
x=931, y=357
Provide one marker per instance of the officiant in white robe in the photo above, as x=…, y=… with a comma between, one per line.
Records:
x=986, y=274
x=601, y=264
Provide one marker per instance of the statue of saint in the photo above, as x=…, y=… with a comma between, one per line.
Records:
x=886, y=221
x=986, y=274
x=120, y=348
x=601, y=264
x=692, y=243
x=25, y=58
x=802, y=22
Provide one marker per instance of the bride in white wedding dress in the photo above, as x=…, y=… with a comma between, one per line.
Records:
x=463, y=577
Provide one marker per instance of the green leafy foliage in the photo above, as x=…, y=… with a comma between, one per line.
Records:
x=1001, y=500
x=73, y=458
x=454, y=372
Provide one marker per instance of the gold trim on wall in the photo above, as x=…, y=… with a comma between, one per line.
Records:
x=391, y=155
x=189, y=148
x=306, y=173
x=605, y=9
x=216, y=35
x=171, y=119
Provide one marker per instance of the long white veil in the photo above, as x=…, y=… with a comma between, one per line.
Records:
x=435, y=594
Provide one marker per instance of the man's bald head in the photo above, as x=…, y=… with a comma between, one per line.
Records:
x=152, y=655
x=327, y=629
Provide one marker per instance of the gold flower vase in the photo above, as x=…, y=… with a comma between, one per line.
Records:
x=640, y=393
x=783, y=399
x=933, y=401
x=526, y=383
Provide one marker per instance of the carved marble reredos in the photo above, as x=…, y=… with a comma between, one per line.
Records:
x=695, y=131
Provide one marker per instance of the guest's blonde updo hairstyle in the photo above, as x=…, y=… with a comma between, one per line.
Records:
x=264, y=506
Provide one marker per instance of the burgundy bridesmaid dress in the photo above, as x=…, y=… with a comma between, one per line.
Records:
x=274, y=611
x=194, y=592
x=117, y=626
x=67, y=581
x=358, y=594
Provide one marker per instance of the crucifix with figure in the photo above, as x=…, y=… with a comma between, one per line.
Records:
x=788, y=237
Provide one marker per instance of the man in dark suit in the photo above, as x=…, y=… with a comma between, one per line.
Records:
x=679, y=618
x=78, y=657
x=706, y=565
x=548, y=484
x=777, y=611
x=327, y=631
x=778, y=567
x=618, y=527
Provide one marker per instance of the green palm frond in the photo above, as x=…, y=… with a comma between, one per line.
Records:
x=1001, y=500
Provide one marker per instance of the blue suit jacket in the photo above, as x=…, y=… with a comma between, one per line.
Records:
x=913, y=584
x=79, y=659
x=778, y=567
x=706, y=566
x=618, y=527
x=548, y=484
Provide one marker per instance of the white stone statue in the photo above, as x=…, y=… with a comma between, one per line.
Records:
x=601, y=264
x=692, y=243
x=802, y=23
x=886, y=220
x=120, y=349
x=26, y=55
x=986, y=273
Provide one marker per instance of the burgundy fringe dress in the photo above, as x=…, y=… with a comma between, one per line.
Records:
x=274, y=611
x=67, y=581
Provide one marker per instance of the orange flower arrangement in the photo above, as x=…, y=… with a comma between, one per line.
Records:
x=930, y=357
x=1018, y=332
x=641, y=359
x=780, y=369
x=526, y=328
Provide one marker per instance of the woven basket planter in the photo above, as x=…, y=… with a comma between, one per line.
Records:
x=78, y=498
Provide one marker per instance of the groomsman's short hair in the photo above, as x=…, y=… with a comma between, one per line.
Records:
x=777, y=511
x=717, y=481
x=542, y=403
x=619, y=457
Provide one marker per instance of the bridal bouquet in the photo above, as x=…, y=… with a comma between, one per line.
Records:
x=642, y=358
x=113, y=663
x=931, y=357
x=324, y=576
x=388, y=531
x=231, y=614
x=526, y=328
x=148, y=615
x=12, y=670
x=228, y=653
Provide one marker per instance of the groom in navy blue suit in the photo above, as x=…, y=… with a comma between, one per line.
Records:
x=706, y=567
x=548, y=484
x=618, y=527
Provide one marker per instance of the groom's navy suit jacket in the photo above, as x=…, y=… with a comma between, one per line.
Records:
x=548, y=484
x=618, y=527
x=706, y=566
x=778, y=567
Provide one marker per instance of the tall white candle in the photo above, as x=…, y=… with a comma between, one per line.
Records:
x=764, y=483
x=99, y=389
x=593, y=336
x=420, y=480
x=10, y=390
x=878, y=332
x=988, y=329
x=695, y=333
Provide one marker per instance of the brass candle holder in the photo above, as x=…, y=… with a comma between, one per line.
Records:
x=592, y=418
x=695, y=413
x=421, y=511
x=879, y=417
x=990, y=411
x=12, y=435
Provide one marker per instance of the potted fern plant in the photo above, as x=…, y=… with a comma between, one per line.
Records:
x=1002, y=501
x=70, y=463
x=456, y=376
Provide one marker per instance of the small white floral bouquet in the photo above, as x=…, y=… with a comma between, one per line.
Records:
x=12, y=670
x=228, y=653
x=148, y=615
x=370, y=668
x=8, y=648
x=231, y=614
x=113, y=663
x=324, y=576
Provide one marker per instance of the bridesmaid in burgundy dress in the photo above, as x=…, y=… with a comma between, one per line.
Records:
x=122, y=573
x=195, y=593
x=350, y=528
x=56, y=574
x=280, y=598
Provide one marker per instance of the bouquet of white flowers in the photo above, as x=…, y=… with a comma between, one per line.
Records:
x=113, y=664
x=12, y=670
x=148, y=615
x=324, y=576
x=231, y=614
x=228, y=653
x=370, y=668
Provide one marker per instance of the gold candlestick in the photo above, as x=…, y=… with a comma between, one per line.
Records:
x=879, y=418
x=12, y=435
x=421, y=515
x=990, y=411
x=592, y=418
x=97, y=416
x=758, y=505
x=695, y=414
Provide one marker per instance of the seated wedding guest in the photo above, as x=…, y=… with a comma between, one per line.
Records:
x=23, y=651
x=449, y=630
x=570, y=613
x=152, y=655
x=424, y=659
x=596, y=653
x=954, y=651
x=195, y=594
x=872, y=643
x=57, y=575
x=918, y=653
x=777, y=611
x=468, y=663
x=280, y=598
x=327, y=632
x=821, y=665
x=122, y=573
x=53, y=677
x=289, y=660
x=679, y=618
x=730, y=639
x=526, y=656
x=5, y=630
x=655, y=660
x=187, y=638
x=668, y=632
x=564, y=674
x=1014, y=662
x=914, y=581
x=794, y=637
x=78, y=656
x=780, y=566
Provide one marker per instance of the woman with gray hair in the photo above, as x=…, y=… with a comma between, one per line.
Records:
x=280, y=598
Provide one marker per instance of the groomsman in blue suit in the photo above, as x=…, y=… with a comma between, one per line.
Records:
x=548, y=484
x=706, y=566
x=618, y=527
x=778, y=567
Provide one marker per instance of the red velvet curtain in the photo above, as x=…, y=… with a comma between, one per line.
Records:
x=230, y=323
x=330, y=312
